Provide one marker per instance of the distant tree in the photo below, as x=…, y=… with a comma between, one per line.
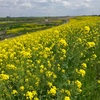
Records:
x=8, y=17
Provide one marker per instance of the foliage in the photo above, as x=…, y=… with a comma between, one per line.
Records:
x=61, y=63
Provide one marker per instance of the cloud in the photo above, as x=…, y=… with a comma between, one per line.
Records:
x=26, y=5
x=49, y=7
x=42, y=1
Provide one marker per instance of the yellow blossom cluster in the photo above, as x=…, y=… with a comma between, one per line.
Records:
x=90, y=44
x=30, y=95
x=4, y=76
x=52, y=91
x=78, y=83
x=86, y=29
x=81, y=72
x=60, y=63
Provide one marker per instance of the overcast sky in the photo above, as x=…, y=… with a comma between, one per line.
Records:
x=17, y=8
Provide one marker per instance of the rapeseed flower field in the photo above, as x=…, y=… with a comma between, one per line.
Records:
x=61, y=63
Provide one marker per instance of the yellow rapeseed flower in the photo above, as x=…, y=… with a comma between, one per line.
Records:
x=49, y=84
x=67, y=98
x=11, y=66
x=63, y=43
x=98, y=81
x=4, y=76
x=79, y=90
x=68, y=92
x=86, y=29
x=63, y=71
x=52, y=91
x=36, y=98
x=78, y=83
x=68, y=81
x=14, y=92
x=63, y=51
x=94, y=56
x=41, y=70
x=84, y=65
x=34, y=93
x=47, y=49
x=26, y=54
x=54, y=76
x=29, y=95
x=45, y=55
x=49, y=74
x=90, y=44
x=41, y=66
x=82, y=72
x=62, y=90
x=22, y=88
x=79, y=40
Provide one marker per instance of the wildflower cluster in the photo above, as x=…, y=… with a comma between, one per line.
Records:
x=61, y=63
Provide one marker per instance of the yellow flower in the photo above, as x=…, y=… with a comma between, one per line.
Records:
x=82, y=72
x=94, y=56
x=49, y=84
x=63, y=71
x=47, y=49
x=34, y=93
x=67, y=98
x=36, y=98
x=78, y=83
x=79, y=90
x=37, y=83
x=42, y=66
x=63, y=51
x=26, y=80
x=1, y=60
x=41, y=70
x=11, y=55
x=62, y=90
x=49, y=74
x=14, y=92
x=4, y=76
x=80, y=40
x=11, y=67
x=45, y=55
x=62, y=42
x=68, y=81
x=49, y=64
x=68, y=92
x=86, y=29
x=54, y=76
x=90, y=44
x=22, y=88
x=98, y=81
x=29, y=95
x=2, y=72
x=84, y=66
x=59, y=68
x=26, y=54
x=52, y=91
x=38, y=61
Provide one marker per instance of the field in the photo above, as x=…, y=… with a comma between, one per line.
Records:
x=60, y=63
x=15, y=26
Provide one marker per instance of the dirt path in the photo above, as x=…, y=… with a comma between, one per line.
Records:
x=3, y=35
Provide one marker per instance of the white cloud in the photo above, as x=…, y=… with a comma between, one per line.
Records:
x=88, y=0
x=26, y=5
x=49, y=7
x=42, y=1
x=66, y=3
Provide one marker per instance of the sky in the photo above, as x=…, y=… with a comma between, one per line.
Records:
x=27, y=8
